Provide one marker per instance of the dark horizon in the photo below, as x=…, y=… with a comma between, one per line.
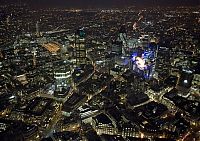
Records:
x=101, y=3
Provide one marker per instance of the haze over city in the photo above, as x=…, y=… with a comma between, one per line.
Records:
x=104, y=3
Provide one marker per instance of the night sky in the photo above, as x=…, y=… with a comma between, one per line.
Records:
x=103, y=3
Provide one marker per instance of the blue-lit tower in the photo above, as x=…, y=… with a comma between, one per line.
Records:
x=143, y=60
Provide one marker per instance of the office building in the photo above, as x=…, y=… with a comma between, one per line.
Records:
x=80, y=48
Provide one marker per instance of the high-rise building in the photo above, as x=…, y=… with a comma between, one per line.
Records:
x=185, y=81
x=62, y=76
x=117, y=47
x=37, y=28
x=122, y=37
x=80, y=49
x=163, y=62
x=143, y=61
x=8, y=20
x=109, y=62
x=34, y=51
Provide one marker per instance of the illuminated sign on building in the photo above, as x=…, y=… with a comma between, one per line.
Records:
x=143, y=62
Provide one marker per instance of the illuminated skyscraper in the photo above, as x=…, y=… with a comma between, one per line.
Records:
x=185, y=81
x=122, y=37
x=37, y=29
x=163, y=62
x=80, y=47
x=34, y=51
x=8, y=20
x=62, y=76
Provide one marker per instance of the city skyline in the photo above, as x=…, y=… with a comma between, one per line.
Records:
x=102, y=3
x=99, y=74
